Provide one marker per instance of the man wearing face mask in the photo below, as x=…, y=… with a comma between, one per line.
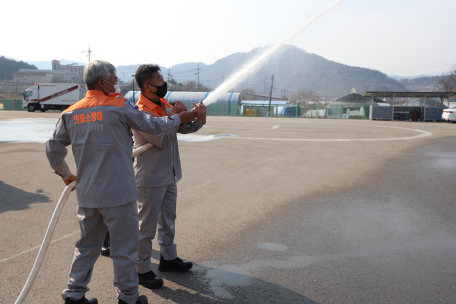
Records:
x=157, y=172
x=99, y=129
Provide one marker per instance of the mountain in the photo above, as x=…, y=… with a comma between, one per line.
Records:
x=413, y=77
x=9, y=66
x=124, y=72
x=422, y=84
x=294, y=69
x=185, y=71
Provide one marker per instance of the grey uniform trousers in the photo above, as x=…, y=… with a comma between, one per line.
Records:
x=122, y=224
x=156, y=205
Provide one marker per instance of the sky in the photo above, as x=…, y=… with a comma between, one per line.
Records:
x=400, y=37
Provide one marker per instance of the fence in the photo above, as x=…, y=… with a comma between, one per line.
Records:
x=296, y=111
x=15, y=105
x=352, y=112
x=402, y=113
x=381, y=113
x=12, y=105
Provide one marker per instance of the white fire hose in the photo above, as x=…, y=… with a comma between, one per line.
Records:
x=51, y=228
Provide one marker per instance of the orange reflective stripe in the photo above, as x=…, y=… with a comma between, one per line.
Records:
x=96, y=98
x=146, y=105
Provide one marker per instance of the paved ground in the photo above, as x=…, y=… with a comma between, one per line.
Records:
x=290, y=211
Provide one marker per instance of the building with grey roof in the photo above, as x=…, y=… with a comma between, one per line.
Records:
x=40, y=76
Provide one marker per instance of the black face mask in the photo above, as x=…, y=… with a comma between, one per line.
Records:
x=161, y=90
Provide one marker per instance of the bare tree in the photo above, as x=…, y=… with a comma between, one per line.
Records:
x=189, y=86
x=447, y=81
x=304, y=96
x=247, y=92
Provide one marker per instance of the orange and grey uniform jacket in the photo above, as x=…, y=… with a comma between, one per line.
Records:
x=99, y=129
x=160, y=165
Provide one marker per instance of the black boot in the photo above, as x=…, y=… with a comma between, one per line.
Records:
x=150, y=280
x=141, y=300
x=106, y=249
x=176, y=265
x=83, y=300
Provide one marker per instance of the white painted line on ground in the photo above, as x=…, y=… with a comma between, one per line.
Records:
x=275, y=127
x=422, y=134
x=201, y=138
x=221, y=177
x=38, y=247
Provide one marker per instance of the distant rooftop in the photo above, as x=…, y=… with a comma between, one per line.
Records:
x=44, y=71
x=355, y=99
x=264, y=102
x=410, y=94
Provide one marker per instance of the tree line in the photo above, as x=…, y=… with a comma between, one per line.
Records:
x=8, y=67
x=447, y=81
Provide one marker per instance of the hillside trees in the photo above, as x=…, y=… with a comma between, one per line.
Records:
x=447, y=81
x=189, y=86
x=8, y=67
x=304, y=96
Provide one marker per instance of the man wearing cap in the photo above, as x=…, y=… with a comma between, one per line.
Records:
x=99, y=129
x=157, y=172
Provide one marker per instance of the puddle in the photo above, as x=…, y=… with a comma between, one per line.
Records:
x=446, y=163
x=27, y=129
x=222, y=282
x=227, y=278
x=41, y=129
x=272, y=247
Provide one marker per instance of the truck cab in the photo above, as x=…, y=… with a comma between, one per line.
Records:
x=30, y=99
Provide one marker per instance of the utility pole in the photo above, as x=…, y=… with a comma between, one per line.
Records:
x=198, y=73
x=169, y=72
x=89, y=51
x=270, y=94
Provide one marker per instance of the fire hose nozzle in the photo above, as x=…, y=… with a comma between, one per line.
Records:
x=198, y=103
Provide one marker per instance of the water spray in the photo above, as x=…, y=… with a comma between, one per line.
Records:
x=249, y=68
x=50, y=230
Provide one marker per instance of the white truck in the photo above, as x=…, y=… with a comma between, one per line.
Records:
x=52, y=96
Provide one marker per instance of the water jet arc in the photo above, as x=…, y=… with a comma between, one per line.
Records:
x=258, y=61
